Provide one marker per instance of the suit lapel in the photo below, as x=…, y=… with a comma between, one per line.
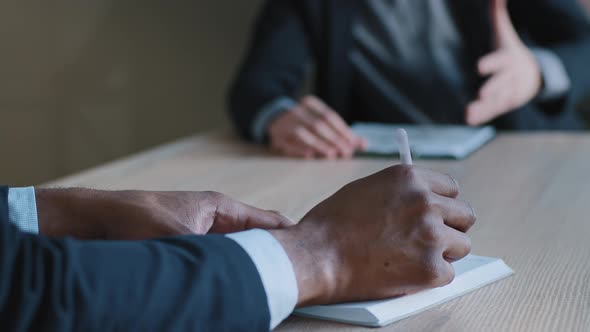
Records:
x=473, y=18
x=340, y=15
x=474, y=21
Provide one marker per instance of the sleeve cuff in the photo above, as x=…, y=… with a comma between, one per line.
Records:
x=267, y=113
x=555, y=77
x=22, y=209
x=275, y=269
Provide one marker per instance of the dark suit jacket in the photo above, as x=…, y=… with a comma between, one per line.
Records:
x=205, y=283
x=291, y=33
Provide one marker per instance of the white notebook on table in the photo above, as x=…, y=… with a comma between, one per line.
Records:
x=431, y=141
x=472, y=273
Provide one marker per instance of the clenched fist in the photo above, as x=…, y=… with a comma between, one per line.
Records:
x=392, y=233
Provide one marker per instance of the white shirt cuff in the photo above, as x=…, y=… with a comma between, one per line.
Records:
x=267, y=113
x=22, y=209
x=275, y=269
x=556, y=80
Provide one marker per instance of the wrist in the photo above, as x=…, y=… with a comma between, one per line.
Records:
x=313, y=263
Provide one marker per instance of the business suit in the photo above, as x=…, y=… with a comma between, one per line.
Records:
x=206, y=283
x=289, y=34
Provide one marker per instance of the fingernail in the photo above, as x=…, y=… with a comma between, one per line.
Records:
x=472, y=210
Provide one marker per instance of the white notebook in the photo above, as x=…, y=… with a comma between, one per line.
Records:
x=432, y=141
x=472, y=273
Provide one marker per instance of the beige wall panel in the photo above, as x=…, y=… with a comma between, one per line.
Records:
x=108, y=78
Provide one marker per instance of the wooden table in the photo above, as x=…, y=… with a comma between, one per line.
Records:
x=532, y=194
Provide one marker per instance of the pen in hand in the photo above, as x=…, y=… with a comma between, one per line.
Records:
x=403, y=144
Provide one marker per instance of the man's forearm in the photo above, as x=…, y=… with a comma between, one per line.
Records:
x=95, y=214
x=71, y=212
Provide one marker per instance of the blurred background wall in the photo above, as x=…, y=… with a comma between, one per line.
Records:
x=85, y=82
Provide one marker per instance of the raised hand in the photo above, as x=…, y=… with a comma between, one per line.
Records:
x=515, y=75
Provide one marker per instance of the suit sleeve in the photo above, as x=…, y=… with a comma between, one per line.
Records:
x=563, y=27
x=275, y=64
x=206, y=283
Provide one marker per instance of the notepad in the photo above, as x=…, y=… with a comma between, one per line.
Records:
x=472, y=273
x=431, y=141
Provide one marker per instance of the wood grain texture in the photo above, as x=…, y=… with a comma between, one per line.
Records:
x=532, y=194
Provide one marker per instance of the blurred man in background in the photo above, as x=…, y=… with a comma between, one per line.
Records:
x=519, y=65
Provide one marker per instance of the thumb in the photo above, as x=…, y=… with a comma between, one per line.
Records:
x=504, y=32
x=233, y=216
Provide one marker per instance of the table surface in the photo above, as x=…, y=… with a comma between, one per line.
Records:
x=531, y=192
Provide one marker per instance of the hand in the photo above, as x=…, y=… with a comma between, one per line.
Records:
x=313, y=130
x=390, y=234
x=515, y=73
x=137, y=215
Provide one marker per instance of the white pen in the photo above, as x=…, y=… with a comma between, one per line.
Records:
x=403, y=144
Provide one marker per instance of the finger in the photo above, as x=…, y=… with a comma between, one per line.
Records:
x=233, y=216
x=504, y=30
x=363, y=144
x=333, y=119
x=496, y=86
x=311, y=141
x=456, y=214
x=480, y=112
x=494, y=62
x=484, y=110
x=293, y=149
x=323, y=130
x=441, y=184
x=458, y=247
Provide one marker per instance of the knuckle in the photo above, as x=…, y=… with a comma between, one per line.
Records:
x=405, y=172
x=411, y=174
x=423, y=201
x=430, y=234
